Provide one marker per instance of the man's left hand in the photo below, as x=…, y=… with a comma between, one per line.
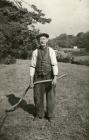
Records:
x=54, y=81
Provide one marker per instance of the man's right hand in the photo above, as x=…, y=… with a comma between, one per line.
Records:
x=31, y=82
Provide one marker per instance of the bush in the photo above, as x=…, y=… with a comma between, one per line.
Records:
x=8, y=60
x=82, y=52
x=81, y=62
x=64, y=57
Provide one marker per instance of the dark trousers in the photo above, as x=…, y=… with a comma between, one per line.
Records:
x=39, y=91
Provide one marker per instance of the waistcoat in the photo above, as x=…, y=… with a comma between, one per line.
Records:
x=43, y=64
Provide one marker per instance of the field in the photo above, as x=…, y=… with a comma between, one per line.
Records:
x=71, y=110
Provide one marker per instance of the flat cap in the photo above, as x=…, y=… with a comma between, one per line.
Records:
x=42, y=34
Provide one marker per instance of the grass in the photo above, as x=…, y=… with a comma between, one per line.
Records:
x=71, y=110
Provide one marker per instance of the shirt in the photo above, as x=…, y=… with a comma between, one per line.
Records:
x=53, y=61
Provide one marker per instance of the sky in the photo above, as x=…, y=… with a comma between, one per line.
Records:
x=68, y=16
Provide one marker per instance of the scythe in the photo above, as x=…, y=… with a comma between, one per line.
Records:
x=12, y=108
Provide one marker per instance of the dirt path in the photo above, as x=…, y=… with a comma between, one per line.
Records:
x=71, y=111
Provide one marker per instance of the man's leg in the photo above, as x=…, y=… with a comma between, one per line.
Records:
x=39, y=100
x=50, y=100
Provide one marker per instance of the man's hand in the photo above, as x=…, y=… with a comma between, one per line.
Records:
x=54, y=81
x=31, y=82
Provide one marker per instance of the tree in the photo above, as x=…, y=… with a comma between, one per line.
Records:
x=86, y=40
x=82, y=40
x=79, y=40
x=16, y=38
x=63, y=41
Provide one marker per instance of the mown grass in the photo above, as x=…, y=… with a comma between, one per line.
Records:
x=71, y=109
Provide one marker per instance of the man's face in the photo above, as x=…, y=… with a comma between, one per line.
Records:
x=43, y=41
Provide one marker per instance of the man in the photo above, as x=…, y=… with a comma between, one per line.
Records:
x=43, y=67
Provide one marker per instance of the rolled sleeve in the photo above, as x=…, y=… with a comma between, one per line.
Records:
x=54, y=62
x=33, y=63
x=55, y=70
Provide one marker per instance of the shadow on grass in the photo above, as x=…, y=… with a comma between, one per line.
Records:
x=12, y=99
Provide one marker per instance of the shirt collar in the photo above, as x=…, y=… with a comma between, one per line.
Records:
x=40, y=47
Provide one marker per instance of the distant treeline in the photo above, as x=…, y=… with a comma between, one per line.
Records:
x=81, y=40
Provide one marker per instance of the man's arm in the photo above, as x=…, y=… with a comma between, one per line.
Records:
x=54, y=66
x=32, y=66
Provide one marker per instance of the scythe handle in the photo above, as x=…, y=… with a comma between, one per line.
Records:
x=49, y=80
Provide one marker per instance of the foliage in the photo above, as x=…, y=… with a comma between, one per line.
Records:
x=8, y=60
x=62, y=41
x=82, y=40
x=81, y=61
x=16, y=38
x=64, y=57
x=68, y=41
